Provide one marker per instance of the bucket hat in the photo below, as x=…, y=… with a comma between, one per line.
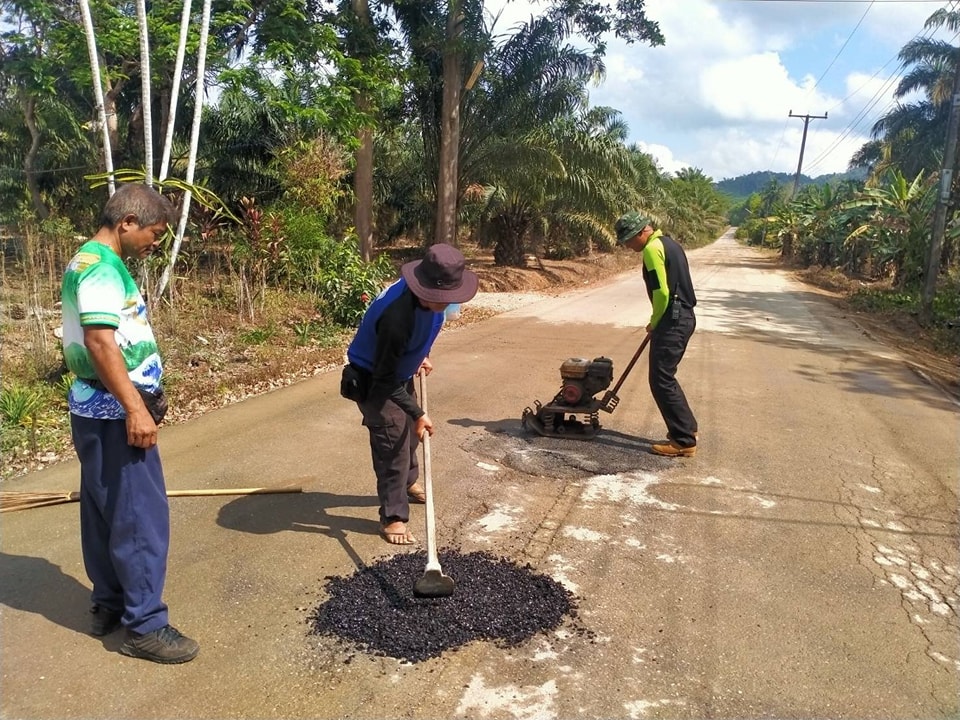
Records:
x=441, y=276
x=630, y=225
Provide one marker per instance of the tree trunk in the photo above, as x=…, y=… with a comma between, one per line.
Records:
x=163, y=102
x=363, y=190
x=110, y=113
x=146, y=97
x=510, y=249
x=194, y=143
x=363, y=174
x=786, y=245
x=105, y=118
x=170, y=113
x=448, y=176
x=29, y=162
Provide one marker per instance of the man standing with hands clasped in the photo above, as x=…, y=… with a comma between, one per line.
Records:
x=390, y=348
x=672, y=322
x=116, y=403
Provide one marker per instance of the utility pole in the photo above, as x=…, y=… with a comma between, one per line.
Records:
x=940, y=214
x=803, y=144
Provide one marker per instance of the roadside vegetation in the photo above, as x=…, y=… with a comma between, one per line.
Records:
x=878, y=232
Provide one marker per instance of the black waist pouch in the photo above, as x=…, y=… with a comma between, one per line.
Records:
x=156, y=402
x=353, y=383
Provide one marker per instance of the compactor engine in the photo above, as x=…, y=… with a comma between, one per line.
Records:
x=580, y=381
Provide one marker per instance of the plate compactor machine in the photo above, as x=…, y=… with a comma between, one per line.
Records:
x=574, y=412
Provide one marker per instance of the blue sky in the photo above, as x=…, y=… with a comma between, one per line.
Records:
x=718, y=94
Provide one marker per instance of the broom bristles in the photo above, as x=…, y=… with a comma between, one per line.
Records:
x=10, y=501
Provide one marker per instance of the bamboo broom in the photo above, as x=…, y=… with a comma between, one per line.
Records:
x=11, y=501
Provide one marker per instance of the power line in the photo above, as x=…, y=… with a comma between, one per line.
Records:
x=842, y=47
x=871, y=104
x=863, y=114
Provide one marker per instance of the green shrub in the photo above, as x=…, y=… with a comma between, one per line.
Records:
x=345, y=284
x=324, y=334
x=946, y=303
x=21, y=404
x=258, y=335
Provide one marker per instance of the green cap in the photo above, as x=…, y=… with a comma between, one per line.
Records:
x=630, y=225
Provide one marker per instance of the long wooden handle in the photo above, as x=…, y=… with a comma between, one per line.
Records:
x=233, y=491
x=433, y=562
x=636, y=356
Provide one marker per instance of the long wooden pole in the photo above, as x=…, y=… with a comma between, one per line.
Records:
x=12, y=500
x=233, y=491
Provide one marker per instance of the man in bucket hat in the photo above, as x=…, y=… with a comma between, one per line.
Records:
x=392, y=346
x=672, y=322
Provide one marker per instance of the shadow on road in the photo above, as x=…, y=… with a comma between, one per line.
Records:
x=304, y=512
x=36, y=585
x=513, y=427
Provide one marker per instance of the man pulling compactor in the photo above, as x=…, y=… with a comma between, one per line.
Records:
x=666, y=274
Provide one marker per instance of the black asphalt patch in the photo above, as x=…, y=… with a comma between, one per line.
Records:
x=375, y=610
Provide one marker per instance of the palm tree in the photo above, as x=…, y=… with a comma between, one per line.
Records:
x=910, y=136
x=696, y=210
x=522, y=129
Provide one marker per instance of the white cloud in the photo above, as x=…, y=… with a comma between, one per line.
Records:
x=664, y=157
x=718, y=94
x=754, y=88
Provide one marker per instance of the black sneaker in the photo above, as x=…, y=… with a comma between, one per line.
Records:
x=103, y=621
x=166, y=645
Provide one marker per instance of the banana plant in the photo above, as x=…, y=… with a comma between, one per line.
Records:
x=897, y=224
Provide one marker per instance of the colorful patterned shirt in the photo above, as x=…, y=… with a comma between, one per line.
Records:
x=99, y=290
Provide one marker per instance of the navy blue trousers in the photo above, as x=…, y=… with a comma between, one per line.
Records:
x=124, y=522
x=667, y=346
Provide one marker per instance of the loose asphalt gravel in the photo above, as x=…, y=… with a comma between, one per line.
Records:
x=375, y=611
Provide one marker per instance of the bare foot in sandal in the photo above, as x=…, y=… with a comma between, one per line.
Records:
x=396, y=533
x=417, y=494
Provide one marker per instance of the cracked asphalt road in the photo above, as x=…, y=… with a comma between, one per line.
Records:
x=804, y=564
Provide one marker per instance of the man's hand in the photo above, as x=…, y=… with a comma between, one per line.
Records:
x=426, y=367
x=141, y=429
x=424, y=425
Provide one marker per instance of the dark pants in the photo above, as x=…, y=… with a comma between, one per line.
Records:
x=124, y=522
x=667, y=346
x=393, y=445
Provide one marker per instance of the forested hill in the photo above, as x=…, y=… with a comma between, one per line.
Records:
x=745, y=185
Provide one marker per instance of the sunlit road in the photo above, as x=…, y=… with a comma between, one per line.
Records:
x=804, y=564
